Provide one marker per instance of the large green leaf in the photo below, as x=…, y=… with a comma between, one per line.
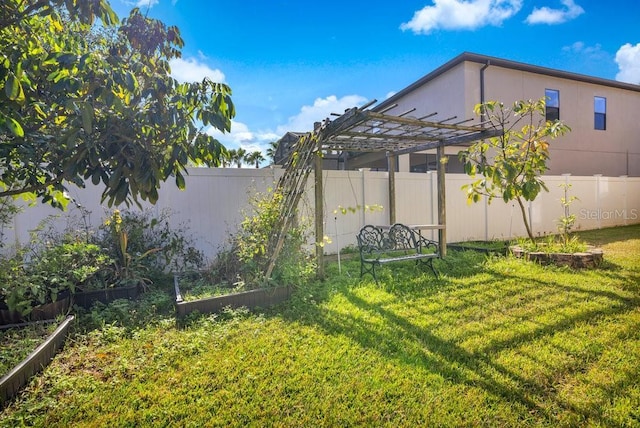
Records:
x=13, y=88
x=14, y=126
x=87, y=118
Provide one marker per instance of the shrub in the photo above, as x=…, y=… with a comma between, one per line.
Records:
x=295, y=263
x=71, y=266
x=48, y=271
x=145, y=246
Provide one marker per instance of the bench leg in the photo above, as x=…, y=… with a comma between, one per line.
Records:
x=429, y=262
x=371, y=270
x=435, y=273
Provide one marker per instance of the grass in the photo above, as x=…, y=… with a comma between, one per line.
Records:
x=494, y=342
x=197, y=287
x=17, y=343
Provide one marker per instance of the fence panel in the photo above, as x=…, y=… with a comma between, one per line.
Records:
x=216, y=199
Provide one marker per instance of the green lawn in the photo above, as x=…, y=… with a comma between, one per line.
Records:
x=493, y=342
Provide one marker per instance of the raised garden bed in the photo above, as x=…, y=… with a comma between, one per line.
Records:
x=261, y=297
x=588, y=259
x=46, y=311
x=16, y=378
x=86, y=299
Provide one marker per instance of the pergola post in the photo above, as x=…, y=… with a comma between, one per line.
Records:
x=442, y=200
x=362, y=130
x=391, y=168
x=319, y=211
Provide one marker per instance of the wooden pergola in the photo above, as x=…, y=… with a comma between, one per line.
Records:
x=362, y=129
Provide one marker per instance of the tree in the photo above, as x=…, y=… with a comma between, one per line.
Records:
x=232, y=157
x=272, y=150
x=226, y=158
x=255, y=158
x=78, y=103
x=510, y=165
x=240, y=156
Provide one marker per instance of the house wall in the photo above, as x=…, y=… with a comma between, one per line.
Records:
x=215, y=202
x=446, y=95
x=583, y=151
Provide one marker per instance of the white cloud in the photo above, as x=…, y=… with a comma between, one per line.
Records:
x=320, y=110
x=146, y=3
x=546, y=15
x=461, y=15
x=582, y=49
x=628, y=60
x=242, y=136
x=193, y=70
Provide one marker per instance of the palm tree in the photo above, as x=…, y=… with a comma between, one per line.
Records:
x=230, y=158
x=226, y=157
x=271, y=151
x=255, y=158
x=241, y=156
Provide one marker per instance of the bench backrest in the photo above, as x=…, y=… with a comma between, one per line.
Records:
x=373, y=239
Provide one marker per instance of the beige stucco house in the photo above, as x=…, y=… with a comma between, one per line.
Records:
x=603, y=114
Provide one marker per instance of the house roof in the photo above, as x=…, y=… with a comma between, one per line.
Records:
x=514, y=65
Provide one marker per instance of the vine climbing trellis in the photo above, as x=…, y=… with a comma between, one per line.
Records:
x=364, y=129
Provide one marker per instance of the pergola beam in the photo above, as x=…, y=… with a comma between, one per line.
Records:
x=363, y=130
x=422, y=123
x=479, y=135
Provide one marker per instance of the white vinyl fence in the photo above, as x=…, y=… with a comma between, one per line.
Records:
x=216, y=199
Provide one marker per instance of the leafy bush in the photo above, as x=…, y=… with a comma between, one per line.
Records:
x=48, y=271
x=18, y=289
x=145, y=246
x=244, y=264
x=295, y=263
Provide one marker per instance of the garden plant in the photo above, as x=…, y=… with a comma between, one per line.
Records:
x=133, y=248
x=494, y=341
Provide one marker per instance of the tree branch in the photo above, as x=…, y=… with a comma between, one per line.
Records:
x=31, y=189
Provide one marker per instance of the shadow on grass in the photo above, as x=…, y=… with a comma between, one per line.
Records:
x=609, y=235
x=471, y=288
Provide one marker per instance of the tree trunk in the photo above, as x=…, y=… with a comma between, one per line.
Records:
x=526, y=221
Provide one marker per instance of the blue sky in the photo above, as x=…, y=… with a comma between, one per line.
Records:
x=290, y=62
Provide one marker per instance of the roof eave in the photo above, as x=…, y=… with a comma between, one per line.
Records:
x=514, y=65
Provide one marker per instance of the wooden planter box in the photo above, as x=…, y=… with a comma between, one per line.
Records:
x=86, y=299
x=262, y=298
x=12, y=382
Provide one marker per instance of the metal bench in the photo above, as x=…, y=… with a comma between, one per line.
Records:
x=381, y=245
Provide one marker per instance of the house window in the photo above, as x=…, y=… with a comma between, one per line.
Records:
x=553, y=104
x=600, y=113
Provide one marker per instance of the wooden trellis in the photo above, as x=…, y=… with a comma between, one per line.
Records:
x=362, y=129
